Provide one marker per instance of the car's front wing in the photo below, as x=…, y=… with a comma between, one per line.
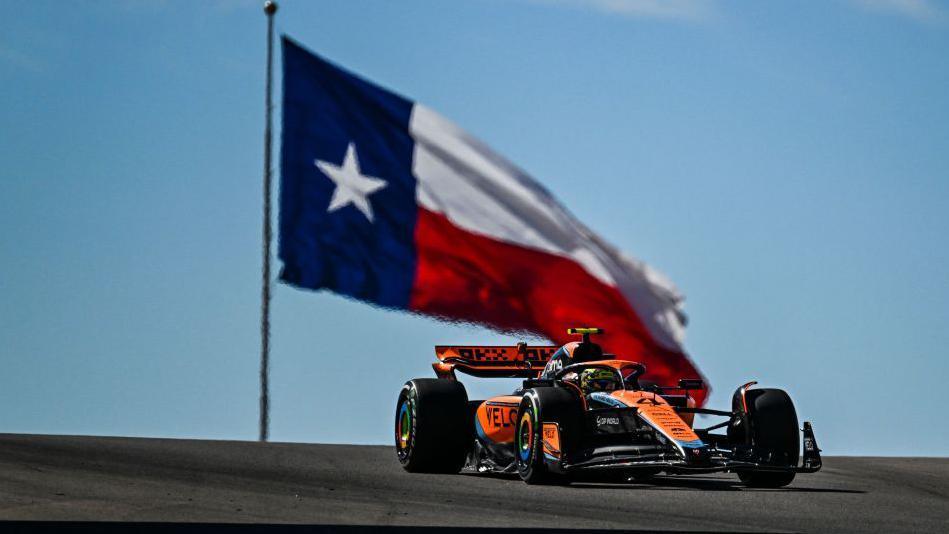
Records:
x=718, y=459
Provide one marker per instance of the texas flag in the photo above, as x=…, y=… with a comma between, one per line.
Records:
x=384, y=200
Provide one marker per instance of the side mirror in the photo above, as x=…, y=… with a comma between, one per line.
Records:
x=691, y=383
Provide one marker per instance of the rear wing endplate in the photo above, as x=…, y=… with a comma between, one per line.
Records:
x=519, y=361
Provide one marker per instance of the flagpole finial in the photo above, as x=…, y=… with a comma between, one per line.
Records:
x=270, y=7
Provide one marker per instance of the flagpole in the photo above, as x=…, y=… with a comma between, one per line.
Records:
x=270, y=8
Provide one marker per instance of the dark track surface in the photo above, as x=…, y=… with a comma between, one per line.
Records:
x=133, y=479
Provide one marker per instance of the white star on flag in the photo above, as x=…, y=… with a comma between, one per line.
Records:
x=352, y=187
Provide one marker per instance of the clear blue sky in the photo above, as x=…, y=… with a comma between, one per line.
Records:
x=786, y=164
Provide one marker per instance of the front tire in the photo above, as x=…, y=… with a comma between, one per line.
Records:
x=773, y=429
x=539, y=406
x=432, y=434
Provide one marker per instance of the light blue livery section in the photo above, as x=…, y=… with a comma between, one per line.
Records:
x=694, y=444
x=607, y=399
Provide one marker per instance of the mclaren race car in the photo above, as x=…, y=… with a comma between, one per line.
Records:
x=581, y=411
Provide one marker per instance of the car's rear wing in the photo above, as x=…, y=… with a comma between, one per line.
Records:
x=519, y=361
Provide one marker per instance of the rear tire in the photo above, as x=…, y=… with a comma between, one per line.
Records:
x=432, y=434
x=773, y=429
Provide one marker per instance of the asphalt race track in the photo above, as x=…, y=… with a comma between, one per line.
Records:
x=66, y=478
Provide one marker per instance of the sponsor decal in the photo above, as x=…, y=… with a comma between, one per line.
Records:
x=664, y=419
x=504, y=354
x=553, y=366
x=551, y=441
x=606, y=398
x=608, y=420
x=501, y=416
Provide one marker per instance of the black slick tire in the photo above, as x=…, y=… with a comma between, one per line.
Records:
x=432, y=427
x=774, y=429
x=539, y=406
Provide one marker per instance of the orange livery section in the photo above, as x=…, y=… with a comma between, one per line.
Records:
x=552, y=441
x=497, y=417
x=658, y=413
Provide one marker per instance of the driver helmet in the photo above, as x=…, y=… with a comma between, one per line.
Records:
x=597, y=380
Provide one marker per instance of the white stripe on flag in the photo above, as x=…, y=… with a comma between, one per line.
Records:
x=481, y=192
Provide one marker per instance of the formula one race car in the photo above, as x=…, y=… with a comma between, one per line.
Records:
x=582, y=411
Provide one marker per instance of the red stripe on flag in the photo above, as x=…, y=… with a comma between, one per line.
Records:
x=468, y=277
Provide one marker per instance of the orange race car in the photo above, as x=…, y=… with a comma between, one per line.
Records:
x=580, y=410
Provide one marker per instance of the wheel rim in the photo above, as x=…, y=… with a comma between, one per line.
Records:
x=525, y=437
x=403, y=430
